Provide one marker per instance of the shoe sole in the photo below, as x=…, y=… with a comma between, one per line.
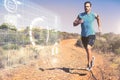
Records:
x=89, y=69
x=92, y=64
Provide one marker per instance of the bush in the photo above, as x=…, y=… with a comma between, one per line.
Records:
x=79, y=43
x=53, y=37
x=7, y=26
x=12, y=37
x=4, y=26
x=40, y=35
x=115, y=45
x=10, y=46
x=117, y=51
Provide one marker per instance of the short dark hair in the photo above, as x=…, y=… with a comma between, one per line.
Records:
x=88, y=2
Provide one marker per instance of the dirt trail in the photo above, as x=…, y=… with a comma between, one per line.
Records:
x=67, y=64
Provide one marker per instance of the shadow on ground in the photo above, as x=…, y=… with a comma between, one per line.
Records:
x=72, y=71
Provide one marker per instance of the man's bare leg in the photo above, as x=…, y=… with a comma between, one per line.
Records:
x=89, y=55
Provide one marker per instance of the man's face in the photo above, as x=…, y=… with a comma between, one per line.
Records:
x=87, y=7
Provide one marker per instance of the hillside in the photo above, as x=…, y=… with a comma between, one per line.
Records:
x=67, y=64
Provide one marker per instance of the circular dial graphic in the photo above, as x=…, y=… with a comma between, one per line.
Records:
x=10, y=5
x=39, y=32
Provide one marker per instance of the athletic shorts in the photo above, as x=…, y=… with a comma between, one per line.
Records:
x=90, y=40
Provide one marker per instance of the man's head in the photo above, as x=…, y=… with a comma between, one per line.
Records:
x=87, y=6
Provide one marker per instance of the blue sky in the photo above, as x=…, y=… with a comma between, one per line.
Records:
x=67, y=10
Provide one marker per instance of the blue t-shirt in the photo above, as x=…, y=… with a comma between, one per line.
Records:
x=87, y=25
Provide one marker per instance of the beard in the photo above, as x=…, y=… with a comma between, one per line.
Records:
x=87, y=10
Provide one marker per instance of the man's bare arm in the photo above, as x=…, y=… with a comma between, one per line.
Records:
x=99, y=23
x=77, y=21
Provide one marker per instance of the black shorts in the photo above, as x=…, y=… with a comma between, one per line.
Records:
x=90, y=40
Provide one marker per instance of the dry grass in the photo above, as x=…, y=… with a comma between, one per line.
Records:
x=14, y=58
x=31, y=59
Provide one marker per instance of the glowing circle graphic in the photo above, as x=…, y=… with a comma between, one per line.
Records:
x=10, y=5
x=41, y=24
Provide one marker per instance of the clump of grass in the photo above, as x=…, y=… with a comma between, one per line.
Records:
x=1, y=58
x=10, y=46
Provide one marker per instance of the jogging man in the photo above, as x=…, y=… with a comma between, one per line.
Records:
x=86, y=20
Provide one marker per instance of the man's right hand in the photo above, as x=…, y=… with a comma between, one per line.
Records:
x=77, y=22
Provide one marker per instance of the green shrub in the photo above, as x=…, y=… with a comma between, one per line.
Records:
x=115, y=45
x=10, y=46
x=79, y=43
x=117, y=51
x=6, y=26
